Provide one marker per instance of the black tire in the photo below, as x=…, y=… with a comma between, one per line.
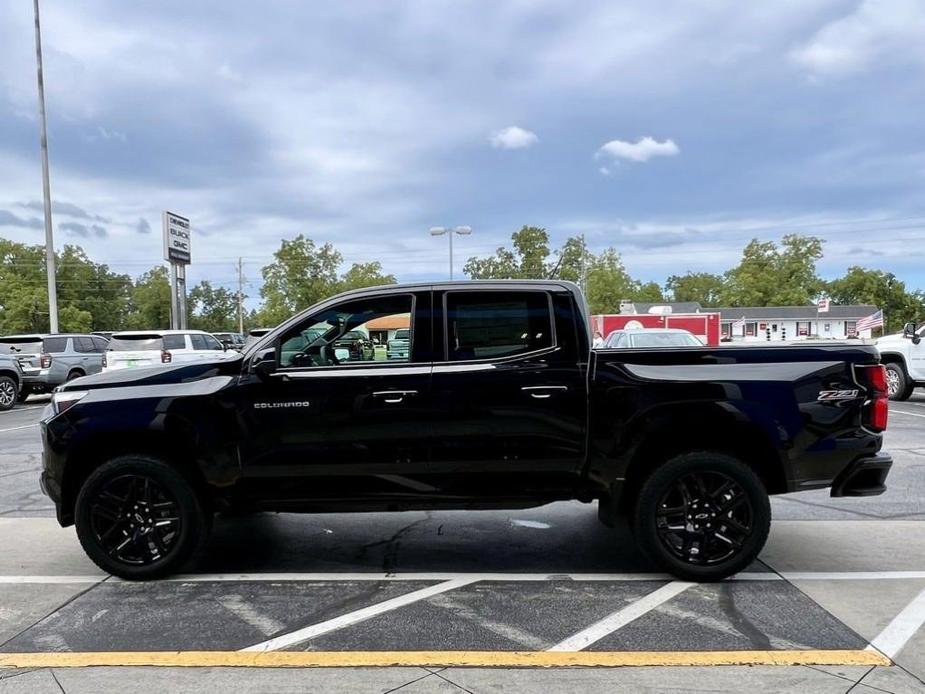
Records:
x=711, y=519
x=74, y=374
x=159, y=539
x=24, y=393
x=8, y=393
x=898, y=383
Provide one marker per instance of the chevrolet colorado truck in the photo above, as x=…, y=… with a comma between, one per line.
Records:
x=500, y=403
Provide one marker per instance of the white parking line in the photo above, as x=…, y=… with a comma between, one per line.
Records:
x=471, y=577
x=24, y=426
x=891, y=640
x=346, y=620
x=908, y=414
x=23, y=409
x=621, y=618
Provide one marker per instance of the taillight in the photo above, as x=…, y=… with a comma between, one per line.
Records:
x=104, y=360
x=877, y=405
x=45, y=361
x=165, y=357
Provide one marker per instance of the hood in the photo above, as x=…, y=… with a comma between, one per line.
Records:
x=184, y=372
x=894, y=339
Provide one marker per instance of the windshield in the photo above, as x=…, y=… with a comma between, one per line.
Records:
x=402, y=334
x=136, y=343
x=665, y=340
x=20, y=345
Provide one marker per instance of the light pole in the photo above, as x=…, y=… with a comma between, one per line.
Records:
x=440, y=231
x=46, y=187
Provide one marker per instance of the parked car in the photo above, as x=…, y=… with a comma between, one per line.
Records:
x=254, y=336
x=904, y=356
x=356, y=344
x=400, y=344
x=230, y=340
x=10, y=381
x=644, y=338
x=501, y=404
x=129, y=350
x=47, y=361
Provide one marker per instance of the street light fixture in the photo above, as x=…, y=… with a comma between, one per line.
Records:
x=460, y=230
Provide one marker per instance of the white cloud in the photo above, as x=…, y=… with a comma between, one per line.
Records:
x=877, y=30
x=642, y=150
x=513, y=137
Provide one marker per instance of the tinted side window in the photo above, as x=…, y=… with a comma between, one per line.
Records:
x=198, y=341
x=174, y=342
x=83, y=344
x=100, y=344
x=487, y=325
x=55, y=345
x=212, y=343
x=352, y=332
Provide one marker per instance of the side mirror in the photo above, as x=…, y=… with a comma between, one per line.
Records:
x=909, y=330
x=264, y=363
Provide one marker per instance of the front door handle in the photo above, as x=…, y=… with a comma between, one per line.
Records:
x=393, y=396
x=543, y=392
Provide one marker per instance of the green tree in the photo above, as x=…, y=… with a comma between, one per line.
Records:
x=213, y=309
x=882, y=289
x=92, y=289
x=364, y=275
x=526, y=261
x=150, y=301
x=704, y=287
x=608, y=282
x=772, y=275
x=300, y=275
x=23, y=292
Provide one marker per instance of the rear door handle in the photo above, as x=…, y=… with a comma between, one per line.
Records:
x=393, y=396
x=543, y=392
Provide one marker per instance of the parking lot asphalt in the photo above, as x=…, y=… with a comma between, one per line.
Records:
x=471, y=601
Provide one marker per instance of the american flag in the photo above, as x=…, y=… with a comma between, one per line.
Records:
x=874, y=320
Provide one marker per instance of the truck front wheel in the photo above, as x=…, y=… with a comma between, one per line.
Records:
x=702, y=516
x=897, y=382
x=139, y=518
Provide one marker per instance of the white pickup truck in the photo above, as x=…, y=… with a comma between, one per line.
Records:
x=904, y=357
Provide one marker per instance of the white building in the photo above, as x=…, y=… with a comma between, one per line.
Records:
x=792, y=323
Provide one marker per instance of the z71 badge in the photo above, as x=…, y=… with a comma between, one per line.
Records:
x=837, y=395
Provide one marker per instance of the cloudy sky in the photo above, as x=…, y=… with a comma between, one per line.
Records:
x=674, y=131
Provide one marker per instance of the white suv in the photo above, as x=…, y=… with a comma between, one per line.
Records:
x=904, y=357
x=141, y=348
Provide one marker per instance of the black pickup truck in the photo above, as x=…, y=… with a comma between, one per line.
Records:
x=500, y=403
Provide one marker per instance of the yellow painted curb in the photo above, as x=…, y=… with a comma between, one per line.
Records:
x=440, y=658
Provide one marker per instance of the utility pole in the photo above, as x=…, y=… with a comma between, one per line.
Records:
x=46, y=186
x=240, y=295
x=583, y=277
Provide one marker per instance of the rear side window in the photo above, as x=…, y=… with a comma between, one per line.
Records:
x=174, y=342
x=489, y=325
x=136, y=343
x=100, y=344
x=83, y=345
x=212, y=344
x=55, y=345
x=198, y=341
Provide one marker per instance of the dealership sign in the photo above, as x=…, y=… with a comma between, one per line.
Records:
x=176, y=238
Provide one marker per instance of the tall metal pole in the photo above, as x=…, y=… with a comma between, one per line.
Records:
x=46, y=186
x=240, y=296
x=450, y=234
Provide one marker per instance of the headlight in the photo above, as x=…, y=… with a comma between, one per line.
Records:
x=65, y=400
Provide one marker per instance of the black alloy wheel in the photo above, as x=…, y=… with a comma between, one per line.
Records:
x=140, y=518
x=703, y=516
x=135, y=520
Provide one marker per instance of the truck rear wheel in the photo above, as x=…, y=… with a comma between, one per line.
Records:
x=8, y=393
x=702, y=516
x=139, y=518
x=897, y=382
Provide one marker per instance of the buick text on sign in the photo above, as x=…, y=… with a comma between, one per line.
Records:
x=176, y=238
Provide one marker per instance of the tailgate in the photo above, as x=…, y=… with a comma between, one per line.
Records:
x=131, y=360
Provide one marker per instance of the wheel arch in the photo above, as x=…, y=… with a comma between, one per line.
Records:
x=895, y=358
x=92, y=452
x=12, y=374
x=708, y=431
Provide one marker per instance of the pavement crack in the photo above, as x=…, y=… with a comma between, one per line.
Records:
x=874, y=667
x=55, y=678
x=406, y=684
x=740, y=622
x=449, y=681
